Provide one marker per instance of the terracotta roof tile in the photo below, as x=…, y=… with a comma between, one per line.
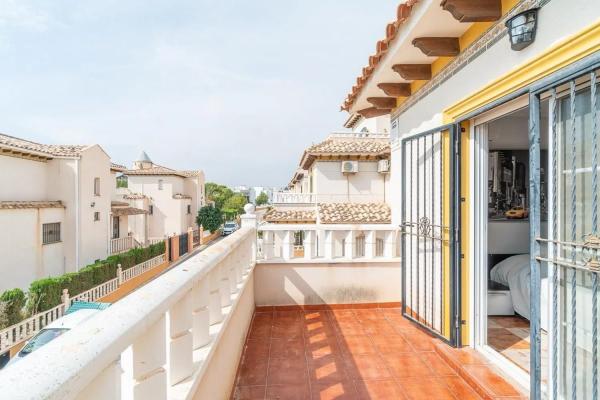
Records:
x=354, y=213
x=17, y=205
x=155, y=170
x=290, y=216
x=134, y=196
x=115, y=203
x=117, y=212
x=56, y=150
x=391, y=30
x=359, y=146
x=180, y=196
x=117, y=167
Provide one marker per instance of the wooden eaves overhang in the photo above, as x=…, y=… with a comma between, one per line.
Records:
x=424, y=38
x=309, y=158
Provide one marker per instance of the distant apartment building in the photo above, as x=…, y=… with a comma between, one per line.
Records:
x=171, y=199
x=55, y=203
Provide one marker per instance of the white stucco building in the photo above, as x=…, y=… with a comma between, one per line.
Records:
x=54, y=209
x=170, y=197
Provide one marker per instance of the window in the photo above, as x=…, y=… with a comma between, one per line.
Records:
x=51, y=233
x=160, y=184
x=96, y=186
x=97, y=216
x=189, y=209
x=151, y=210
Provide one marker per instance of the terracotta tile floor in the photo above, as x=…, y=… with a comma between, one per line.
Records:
x=344, y=354
x=510, y=337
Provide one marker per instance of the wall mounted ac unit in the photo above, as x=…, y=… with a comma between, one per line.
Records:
x=383, y=166
x=349, y=167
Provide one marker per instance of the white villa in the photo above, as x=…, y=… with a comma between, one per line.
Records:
x=54, y=209
x=170, y=198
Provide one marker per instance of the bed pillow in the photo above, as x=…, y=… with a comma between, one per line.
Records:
x=502, y=271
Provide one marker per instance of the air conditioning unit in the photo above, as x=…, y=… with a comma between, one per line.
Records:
x=383, y=166
x=349, y=167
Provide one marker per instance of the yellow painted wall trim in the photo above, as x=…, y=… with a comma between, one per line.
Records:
x=565, y=52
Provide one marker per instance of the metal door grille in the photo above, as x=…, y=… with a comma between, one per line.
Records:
x=569, y=249
x=427, y=231
x=183, y=244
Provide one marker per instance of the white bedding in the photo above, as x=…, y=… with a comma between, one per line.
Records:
x=515, y=273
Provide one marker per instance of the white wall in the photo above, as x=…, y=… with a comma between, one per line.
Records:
x=23, y=257
x=367, y=185
x=170, y=215
x=338, y=283
x=94, y=235
x=22, y=180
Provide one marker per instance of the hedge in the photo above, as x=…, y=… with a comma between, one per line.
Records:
x=46, y=293
x=13, y=301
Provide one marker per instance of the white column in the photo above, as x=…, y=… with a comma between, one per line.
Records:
x=149, y=357
x=370, y=244
x=181, y=364
x=287, y=245
x=224, y=288
x=349, y=243
x=309, y=245
x=389, y=249
x=329, y=245
x=267, y=246
x=106, y=385
x=200, y=313
x=231, y=263
x=214, y=306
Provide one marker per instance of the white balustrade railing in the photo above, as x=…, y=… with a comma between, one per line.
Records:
x=139, y=269
x=122, y=244
x=313, y=198
x=25, y=329
x=294, y=198
x=154, y=240
x=155, y=343
x=327, y=242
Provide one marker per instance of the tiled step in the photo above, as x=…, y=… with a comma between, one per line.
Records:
x=477, y=371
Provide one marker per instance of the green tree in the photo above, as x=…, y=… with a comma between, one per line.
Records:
x=235, y=204
x=209, y=218
x=261, y=199
x=219, y=194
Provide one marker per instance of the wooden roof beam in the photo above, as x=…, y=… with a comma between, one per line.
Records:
x=413, y=72
x=474, y=11
x=395, y=89
x=374, y=112
x=438, y=46
x=382, y=102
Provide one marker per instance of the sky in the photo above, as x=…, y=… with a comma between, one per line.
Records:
x=236, y=88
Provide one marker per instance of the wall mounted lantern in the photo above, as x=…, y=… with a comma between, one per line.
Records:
x=521, y=29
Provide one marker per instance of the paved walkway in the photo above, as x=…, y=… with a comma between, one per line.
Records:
x=349, y=354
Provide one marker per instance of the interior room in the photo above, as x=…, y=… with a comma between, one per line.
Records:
x=507, y=274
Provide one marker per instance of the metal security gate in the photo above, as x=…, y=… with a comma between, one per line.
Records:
x=566, y=248
x=430, y=284
x=183, y=244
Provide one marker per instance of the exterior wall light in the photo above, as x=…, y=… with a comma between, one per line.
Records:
x=522, y=28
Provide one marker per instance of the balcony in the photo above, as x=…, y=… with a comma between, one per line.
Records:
x=226, y=324
x=293, y=198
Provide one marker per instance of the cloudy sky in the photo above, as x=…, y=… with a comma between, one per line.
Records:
x=236, y=88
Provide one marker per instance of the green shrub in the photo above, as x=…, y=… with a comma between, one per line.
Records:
x=46, y=293
x=14, y=302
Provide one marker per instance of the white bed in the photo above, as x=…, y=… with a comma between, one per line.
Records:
x=515, y=273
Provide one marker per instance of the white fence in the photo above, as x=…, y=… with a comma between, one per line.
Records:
x=27, y=328
x=328, y=242
x=120, y=245
x=153, y=344
x=313, y=198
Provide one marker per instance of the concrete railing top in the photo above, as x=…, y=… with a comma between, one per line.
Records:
x=64, y=367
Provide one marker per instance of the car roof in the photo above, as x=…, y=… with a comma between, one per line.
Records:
x=70, y=321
